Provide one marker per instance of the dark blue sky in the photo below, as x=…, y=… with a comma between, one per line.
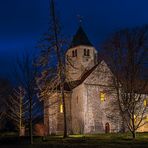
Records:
x=22, y=22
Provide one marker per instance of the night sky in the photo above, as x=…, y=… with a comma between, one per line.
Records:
x=22, y=22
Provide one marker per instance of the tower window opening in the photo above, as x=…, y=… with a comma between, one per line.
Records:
x=74, y=53
x=88, y=53
x=85, y=53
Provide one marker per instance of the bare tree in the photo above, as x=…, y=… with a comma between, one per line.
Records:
x=60, y=69
x=1, y=104
x=127, y=54
x=53, y=75
x=25, y=75
x=5, y=92
x=16, y=109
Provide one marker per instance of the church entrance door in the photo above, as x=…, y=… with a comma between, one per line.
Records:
x=107, y=128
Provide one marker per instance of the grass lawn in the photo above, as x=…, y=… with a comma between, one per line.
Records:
x=79, y=141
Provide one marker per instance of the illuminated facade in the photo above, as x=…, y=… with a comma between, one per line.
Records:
x=90, y=106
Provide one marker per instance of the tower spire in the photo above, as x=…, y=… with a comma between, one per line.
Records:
x=80, y=38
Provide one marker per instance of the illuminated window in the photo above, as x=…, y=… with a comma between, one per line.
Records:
x=145, y=102
x=61, y=108
x=146, y=119
x=102, y=96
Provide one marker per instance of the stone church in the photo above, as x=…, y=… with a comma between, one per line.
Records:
x=90, y=103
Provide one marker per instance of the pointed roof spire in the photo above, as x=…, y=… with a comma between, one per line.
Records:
x=80, y=38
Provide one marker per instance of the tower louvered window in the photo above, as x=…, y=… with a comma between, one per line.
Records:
x=74, y=53
x=88, y=52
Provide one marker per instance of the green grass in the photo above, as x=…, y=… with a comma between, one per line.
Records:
x=6, y=134
x=87, y=141
x=102, y=140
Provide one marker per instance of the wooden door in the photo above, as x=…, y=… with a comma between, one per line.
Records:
x=107, y=128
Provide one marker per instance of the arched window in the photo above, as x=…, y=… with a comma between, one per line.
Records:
x=88, y=53
x=85, y=53
x=145, y=102
x=102, y=96
x=61, y=108
x=146, y=118
x=74, y=53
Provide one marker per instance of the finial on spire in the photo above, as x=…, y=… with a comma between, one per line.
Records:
x=80, y=19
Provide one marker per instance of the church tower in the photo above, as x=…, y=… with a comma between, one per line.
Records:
x=80, y=57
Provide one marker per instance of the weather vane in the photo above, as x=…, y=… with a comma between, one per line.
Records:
x=80, y=19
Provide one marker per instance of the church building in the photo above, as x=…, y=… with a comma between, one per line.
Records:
x=91, y=104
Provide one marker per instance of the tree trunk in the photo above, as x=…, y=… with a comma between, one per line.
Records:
x=20, y=118
x=30, y=122
x=133, y=135
x=62, y=79
x=30, y=133
x=64, y=114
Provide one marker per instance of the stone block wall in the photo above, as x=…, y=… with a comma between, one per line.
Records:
x=53, y=118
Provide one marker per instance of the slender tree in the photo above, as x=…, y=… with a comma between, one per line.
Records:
x=16, y=109
x=5, y=92
x=60, y=64
x=25, y=73
x=52, y=48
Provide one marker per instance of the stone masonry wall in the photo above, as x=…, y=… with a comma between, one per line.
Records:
x=98, y=113
x=53, y=118
x=75, y=66
x=77, y=111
